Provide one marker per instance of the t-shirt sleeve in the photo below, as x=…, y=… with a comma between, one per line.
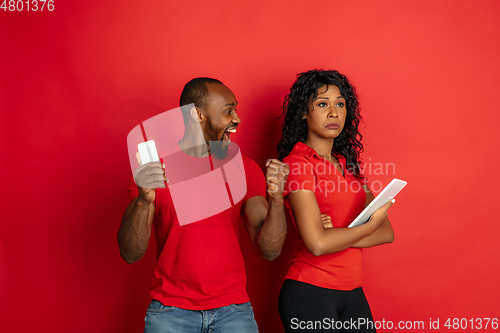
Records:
x=301, y=175
x=133, y=190
x=256, y=181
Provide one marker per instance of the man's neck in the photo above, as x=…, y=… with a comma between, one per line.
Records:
x=194, y=149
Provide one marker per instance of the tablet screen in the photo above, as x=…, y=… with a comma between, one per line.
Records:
x=388, y=193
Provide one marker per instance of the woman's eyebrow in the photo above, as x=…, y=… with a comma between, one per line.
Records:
x=340, y=97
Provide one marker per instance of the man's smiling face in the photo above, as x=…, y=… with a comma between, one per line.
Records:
x=221, y=118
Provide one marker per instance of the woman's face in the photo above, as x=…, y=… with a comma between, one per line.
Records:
x=326, y=116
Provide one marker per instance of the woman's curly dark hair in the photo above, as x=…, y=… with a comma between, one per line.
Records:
x=297, y=103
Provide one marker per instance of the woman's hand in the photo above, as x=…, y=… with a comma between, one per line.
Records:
x=379, y=216
x=327, y=221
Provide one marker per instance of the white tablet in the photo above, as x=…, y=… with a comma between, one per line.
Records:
x=388, y=193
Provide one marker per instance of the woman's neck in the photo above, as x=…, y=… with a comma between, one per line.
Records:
x=322, y=146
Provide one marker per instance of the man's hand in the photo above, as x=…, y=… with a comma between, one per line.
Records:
x=276, y=175
x=149, y=177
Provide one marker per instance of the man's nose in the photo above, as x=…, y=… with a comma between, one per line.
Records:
x=236, y=119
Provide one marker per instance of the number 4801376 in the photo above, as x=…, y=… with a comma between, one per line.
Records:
x=27, y=5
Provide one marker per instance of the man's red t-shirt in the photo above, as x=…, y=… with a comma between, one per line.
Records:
x=200, y=265
x=342, y=198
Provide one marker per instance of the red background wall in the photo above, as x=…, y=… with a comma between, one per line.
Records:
x=75, y=81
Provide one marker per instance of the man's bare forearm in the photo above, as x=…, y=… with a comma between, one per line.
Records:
x=272, y=234
x=135, y=230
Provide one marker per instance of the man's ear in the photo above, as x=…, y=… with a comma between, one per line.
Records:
x=196, y=114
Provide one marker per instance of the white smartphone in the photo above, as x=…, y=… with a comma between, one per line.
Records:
x=148, y=152
x=388, y=193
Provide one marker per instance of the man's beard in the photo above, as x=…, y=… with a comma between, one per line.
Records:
x=218, y=147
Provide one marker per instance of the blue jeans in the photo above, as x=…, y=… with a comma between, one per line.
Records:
x=228, y=319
